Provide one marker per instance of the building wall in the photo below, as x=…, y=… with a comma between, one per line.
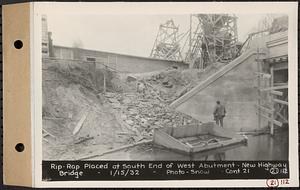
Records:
x=119, y=62
x=45, y=39
x=277, y=44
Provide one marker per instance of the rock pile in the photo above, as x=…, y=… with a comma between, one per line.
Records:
x=143, y=112
x=174, y=83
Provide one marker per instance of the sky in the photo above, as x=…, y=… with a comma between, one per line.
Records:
x=126, y=34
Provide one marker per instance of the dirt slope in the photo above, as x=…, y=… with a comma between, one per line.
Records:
x=78, y=120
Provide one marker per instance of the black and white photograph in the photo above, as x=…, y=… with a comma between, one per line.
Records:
x=165, y=87
x=150, y=94
x=140, y=94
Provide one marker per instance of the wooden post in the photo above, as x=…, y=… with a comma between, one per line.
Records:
x=190, y=43
x=272, y=102
x=258, y=89
x=94, y=73
x=116, y=63
x=104, y=79
x=182, y=120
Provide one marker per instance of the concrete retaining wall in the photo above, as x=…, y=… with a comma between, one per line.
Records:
x=236, y=90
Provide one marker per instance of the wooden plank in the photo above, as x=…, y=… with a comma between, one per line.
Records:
x=181, y=132
x=163, y=139
x=156, y=95
x=54, y=118
x=79, y=124
x=187, y=139
x=212, y=78
x=219, y=144
x=263, y=75
x=280, y=84
x=113, y=150
x=270, y=119
x=83, y=140
x=47, y=132
x=104, y=79
x=272, y=104
x=282, y=117
x=188, y=131
x=275, y=88
x=281, y=102
x=258, y=64
x=264, y=108
x=253, y=132
x=280, y=68
x=278, y=93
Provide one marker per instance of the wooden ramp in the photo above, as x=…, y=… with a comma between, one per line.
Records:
x=196, y=138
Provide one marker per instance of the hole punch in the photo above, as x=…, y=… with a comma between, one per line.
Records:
x=20, y=147
x=18, y=44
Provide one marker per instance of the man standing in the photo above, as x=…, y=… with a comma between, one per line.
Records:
x=219, y=113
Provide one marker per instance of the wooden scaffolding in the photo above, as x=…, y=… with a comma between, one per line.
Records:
x=212, y=38
x=272, y=82
x=166, y=45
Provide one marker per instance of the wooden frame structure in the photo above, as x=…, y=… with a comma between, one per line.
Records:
x=274, y=108
x=177, y=138
x=213, y=39
x=166, y=45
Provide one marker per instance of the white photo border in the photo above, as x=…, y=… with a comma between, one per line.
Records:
x=39, y=8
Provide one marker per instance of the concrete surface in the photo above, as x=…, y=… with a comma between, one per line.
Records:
x=236, y=89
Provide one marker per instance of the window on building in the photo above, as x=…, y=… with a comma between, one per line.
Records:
x=91, y=59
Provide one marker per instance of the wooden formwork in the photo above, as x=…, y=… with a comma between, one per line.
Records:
x=173, y=138
x=277, y=111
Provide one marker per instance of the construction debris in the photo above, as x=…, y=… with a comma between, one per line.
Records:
x=121, y=116
x=83, y=139
x=169, y=85
x=144, y=112
x=79, y=124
